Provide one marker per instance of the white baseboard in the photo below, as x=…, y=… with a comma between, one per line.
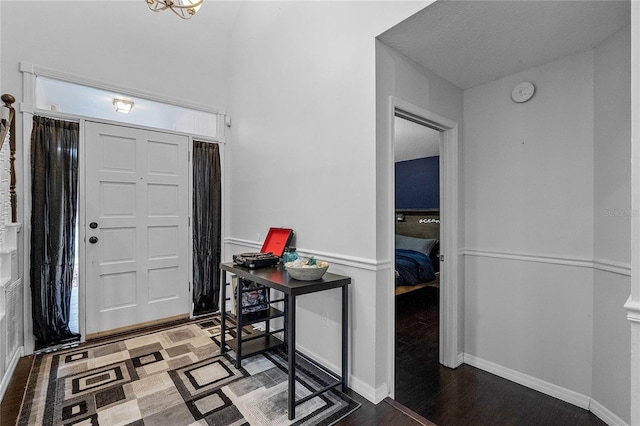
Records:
x=547, y=388
x=604, y=414
x=363, y=389
x=8, y=375
x=566, y=395
x=369, y=393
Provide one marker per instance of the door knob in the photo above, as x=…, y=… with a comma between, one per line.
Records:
x=93, y=240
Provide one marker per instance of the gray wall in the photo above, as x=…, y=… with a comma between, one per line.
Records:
x=612, y=224
x=402, y=78
x=303, y=155
x=547, y=200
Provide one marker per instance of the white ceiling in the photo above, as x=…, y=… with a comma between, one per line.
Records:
x=470, y=43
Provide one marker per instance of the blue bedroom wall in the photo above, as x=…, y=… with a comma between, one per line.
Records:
x=418, y=183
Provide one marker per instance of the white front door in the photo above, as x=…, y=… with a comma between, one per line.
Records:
x=137, y=236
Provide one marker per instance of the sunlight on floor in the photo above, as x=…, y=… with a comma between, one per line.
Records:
x=73, y=313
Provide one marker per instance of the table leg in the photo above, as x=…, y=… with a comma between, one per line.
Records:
x=291, y=337
x=286, y=320
x=223, y=311
x=345, y=337
x=239, y=322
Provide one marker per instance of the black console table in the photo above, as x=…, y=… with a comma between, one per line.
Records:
x=275, y=277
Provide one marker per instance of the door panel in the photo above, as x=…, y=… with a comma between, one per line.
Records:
x=137, y=194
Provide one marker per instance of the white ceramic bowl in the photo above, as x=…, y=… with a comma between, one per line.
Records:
x=307, y=273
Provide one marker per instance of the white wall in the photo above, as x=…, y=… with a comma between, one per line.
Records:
x=398, y=76
x=402, y=78
x=633, y=303
x=121, y=43
x=300, y=83
x=301, y=79
x=1, y=86
x=612, y=190
x=611, y=345
x=612, y=224
x=303, y=155
x=548, y=213
x=529, y=167
x=529, y=172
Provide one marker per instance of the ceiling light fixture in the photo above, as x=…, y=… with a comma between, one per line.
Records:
x=183, y=8
x=123, y=105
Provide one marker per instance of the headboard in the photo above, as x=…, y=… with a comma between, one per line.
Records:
x=418, y=223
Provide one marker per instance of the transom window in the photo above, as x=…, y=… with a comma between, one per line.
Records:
x=71, y=98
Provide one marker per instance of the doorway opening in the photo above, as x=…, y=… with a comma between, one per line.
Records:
x=417, y=258
x=431, y=222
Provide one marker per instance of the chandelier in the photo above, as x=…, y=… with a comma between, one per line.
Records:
x=183, y=8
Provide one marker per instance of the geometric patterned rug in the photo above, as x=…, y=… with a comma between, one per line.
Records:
x=172, y=377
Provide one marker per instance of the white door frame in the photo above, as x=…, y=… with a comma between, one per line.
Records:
x=449, y=353
x=633, y=303
x=28, y=109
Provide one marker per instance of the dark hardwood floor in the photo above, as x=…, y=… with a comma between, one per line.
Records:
x=465, y=395
x=10, y=406
x=388, y=412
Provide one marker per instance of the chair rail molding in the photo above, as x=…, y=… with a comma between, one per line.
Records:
x=339, y=259
x=606, y=265
x=633, y=311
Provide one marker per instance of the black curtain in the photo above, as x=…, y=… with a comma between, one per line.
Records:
x=54, y=179
x=206, y=227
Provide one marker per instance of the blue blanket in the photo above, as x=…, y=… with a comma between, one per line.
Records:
x=413, y=267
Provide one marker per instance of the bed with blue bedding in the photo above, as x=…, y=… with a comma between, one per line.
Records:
x=413, y=267
x=417, y=254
